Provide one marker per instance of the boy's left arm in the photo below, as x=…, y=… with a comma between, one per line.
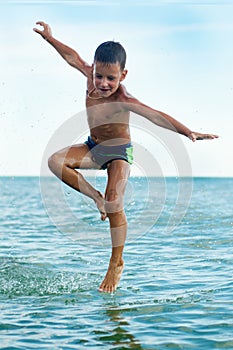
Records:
x=164, y=120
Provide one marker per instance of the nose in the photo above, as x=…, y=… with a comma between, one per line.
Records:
x=104, y=82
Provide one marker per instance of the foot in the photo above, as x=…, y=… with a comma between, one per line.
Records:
x=100, y=203
x=112, y=277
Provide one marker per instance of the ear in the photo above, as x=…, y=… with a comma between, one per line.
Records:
x=123, y=74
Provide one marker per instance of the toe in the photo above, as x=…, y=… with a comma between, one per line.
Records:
x=101, y=288
x=103, y=215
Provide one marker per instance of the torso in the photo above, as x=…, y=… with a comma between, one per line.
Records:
x=108, y=120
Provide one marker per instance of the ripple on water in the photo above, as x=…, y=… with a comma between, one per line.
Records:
x=19, y=278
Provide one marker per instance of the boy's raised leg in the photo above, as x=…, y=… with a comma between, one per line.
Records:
x=63, y=164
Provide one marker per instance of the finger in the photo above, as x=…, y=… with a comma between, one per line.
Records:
x=41, y=23
x=211, y=136
x=37, y=31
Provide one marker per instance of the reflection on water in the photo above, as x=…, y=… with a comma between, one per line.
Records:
x=118, y=335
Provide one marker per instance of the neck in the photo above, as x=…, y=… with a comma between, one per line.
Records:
x=91, y=97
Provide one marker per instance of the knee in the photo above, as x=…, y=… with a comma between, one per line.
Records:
x=114, y=202
x=54, y=163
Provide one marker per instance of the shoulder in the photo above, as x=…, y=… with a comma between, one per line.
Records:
x=89, y=76
x=128, y=101
x=131, y=103
x=124, y=95
x=88, y=71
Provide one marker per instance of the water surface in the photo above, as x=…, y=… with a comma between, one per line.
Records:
x=176, y=291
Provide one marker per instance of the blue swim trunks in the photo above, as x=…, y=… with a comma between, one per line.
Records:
x=103, y=155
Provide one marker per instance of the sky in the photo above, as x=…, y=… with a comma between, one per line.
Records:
x=179, y=61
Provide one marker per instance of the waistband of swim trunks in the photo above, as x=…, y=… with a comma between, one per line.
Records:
x=92, y=143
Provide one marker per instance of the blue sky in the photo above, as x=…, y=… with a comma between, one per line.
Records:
x=179, y=57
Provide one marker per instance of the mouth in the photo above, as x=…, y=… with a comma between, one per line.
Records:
x=104, y=90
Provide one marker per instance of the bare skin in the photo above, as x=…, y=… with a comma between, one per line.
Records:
x=112, y=277
x=108, y=123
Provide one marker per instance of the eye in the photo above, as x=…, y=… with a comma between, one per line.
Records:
x=98, y=76
x=111, y=78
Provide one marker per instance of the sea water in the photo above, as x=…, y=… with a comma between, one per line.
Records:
x=176, y=291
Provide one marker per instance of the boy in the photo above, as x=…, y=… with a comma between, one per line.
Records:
x=109, y=145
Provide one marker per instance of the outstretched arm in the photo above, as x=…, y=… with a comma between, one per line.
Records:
x=71, y=56
x=164, y=120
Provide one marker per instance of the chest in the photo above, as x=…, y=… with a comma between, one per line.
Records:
x=105, y=112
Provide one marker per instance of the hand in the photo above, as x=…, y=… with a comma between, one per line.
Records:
x=46, y=33
x=198, y=136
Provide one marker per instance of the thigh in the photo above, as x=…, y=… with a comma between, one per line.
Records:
x=76, y=157
x=118, y=173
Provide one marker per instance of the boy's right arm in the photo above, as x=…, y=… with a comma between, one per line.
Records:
x=71, y=56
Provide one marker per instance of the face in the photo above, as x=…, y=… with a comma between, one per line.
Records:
x=107, y=78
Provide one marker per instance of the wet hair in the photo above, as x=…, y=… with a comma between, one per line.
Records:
x=110, y=52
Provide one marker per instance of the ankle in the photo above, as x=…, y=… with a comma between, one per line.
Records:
x=98, y=196
x=118, y=261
